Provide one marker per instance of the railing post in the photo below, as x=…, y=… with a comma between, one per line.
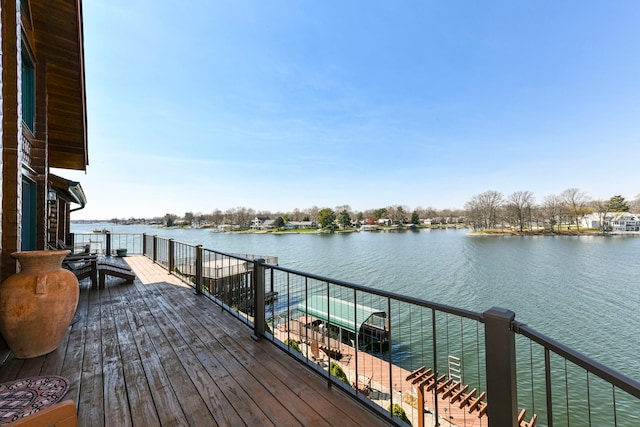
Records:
x=144, y=244
x=198, y=270
x=500, y=347
x=258, y=298
x=108, y=238
x=155, y=248
x=171, y=261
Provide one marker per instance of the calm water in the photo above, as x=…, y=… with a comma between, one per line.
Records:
x=582, y=291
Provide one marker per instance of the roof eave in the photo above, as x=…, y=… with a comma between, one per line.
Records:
x=58, y=32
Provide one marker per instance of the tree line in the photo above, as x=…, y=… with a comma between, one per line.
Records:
x=342, y=215
x=491, y=209
x=488, y=210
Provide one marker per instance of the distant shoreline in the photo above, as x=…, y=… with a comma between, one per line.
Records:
x=492, y=232
x=551, y=233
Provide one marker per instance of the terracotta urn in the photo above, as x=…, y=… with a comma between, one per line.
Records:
x=37, y=303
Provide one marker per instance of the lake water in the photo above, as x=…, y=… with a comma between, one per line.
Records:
x=582, y=291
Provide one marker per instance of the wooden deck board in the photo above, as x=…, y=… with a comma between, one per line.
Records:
x=264, y=393
x=167, y=409
x=112, y=371
x=89, y=390
x=154, y=354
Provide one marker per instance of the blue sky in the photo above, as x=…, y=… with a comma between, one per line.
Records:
x=276, y=105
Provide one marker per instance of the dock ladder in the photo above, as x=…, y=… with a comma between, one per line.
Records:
x=455, y=368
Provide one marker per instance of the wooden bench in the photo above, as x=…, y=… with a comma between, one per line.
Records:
x=332, y=353
x=363, y=385
x=83, y=266
x=109, y=269
x=523, y=423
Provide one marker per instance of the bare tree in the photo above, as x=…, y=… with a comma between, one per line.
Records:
x=216, y=217
x=397, y=213
x=482, y=209
x=601, y=208
x=576, y=201
x=297, y=215
x=312, y=212
x=552, y=209
x=519, y=204
x=536, y=215
x=427, y=213
x=634, y=205
x=343, y=208
x=244, y=217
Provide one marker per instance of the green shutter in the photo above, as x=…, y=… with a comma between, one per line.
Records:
x=28, y=80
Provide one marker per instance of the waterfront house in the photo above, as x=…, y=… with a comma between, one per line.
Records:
x=616, y=222
x=44, y=123
x=295, y=225
x=625, y=222
x=261, y=223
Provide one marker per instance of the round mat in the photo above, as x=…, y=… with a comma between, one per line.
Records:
x=29, y=395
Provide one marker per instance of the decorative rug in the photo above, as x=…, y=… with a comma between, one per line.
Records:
x=29, y=395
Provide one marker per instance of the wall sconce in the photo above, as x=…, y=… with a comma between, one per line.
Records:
x=51, y=195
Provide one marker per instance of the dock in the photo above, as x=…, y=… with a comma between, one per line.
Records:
x=379, y=373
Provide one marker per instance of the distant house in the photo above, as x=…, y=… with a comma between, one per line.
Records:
x=625, y=222
x=294, y=225
x=616, y=222
x=592, y=220
x=268, y=224
x=227, y=227
x=258, y=222
x=385, y=221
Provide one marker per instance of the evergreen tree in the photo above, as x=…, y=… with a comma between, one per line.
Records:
x=415, y=218
x=618, y=204
x=326, y=218
x=344, y=219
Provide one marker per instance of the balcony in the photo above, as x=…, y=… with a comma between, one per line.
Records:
x=238, y=339
x=153, y=353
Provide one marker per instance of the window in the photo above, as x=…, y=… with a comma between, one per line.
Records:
x=29, y=214
x=28, y=80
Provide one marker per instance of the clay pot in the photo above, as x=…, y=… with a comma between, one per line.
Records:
x=38, y=303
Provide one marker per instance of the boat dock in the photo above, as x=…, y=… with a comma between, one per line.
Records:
x=374, y=373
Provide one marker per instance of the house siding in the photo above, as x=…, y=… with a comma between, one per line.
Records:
x=24, y=151
x=1, y=127
x=10, y=133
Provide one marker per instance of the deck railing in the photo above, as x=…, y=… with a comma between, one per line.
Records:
x=464, y=367
x=106, y=243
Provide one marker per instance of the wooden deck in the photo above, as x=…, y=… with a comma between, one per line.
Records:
x=154, y=354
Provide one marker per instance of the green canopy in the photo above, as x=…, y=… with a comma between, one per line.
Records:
x=339, y=312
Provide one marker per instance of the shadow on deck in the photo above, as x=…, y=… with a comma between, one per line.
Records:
x=152, y=353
